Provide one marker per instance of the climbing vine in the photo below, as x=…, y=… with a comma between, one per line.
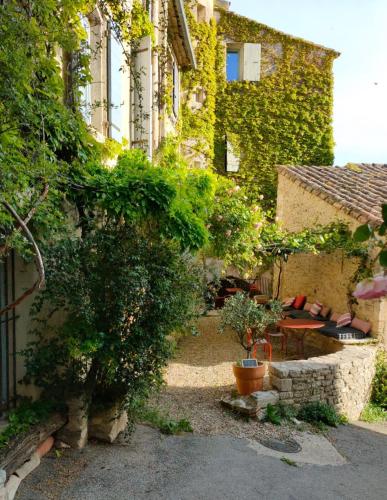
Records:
x=200, y=87
x=286, y=117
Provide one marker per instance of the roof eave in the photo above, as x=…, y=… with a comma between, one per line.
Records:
x=184, y=33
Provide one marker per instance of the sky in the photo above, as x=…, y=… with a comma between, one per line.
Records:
x=357, y=29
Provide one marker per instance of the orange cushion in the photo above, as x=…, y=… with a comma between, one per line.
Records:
x=299, y=302
x=359, y=324
x=335, y=316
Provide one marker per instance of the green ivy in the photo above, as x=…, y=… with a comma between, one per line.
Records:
x=197, y=125
x=286, y=117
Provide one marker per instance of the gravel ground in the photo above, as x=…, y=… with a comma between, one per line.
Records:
x=201, y=374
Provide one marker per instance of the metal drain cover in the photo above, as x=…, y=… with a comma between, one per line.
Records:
x=288, y=446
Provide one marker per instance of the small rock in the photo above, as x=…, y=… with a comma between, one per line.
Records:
x=61, y=445
x=263, y=398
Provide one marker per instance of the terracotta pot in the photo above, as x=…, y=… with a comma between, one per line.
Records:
x=249, y=380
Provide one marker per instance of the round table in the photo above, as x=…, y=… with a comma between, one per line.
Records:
x=303, y=325
x=233, y=291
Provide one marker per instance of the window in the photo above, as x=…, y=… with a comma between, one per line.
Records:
x=115, y=90
x=232, y=65
x=85, y=91
x=243, y=62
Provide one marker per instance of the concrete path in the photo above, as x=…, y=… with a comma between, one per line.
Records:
x=197, y=467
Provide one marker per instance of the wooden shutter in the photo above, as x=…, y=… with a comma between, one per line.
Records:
x=251, y=70
x=142, y=96
x=85, y=91
x=176, y=88
x=232, y=159
x=115, y=95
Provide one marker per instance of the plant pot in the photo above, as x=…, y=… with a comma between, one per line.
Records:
x=249, y=380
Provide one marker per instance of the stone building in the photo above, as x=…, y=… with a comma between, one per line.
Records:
x=115, y=106
x=276, y=104
x=310, y=196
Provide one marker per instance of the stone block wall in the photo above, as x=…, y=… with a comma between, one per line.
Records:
x=342, y=379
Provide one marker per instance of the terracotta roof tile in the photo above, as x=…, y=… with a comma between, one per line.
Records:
x=359, y=189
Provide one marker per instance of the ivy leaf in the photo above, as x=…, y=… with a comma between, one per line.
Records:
x=362, y=233
x=383, y=258
x=384, y=212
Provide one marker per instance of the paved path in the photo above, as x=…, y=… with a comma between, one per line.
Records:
x=195, y=467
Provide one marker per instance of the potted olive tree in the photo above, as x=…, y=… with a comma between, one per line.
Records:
x=249, y=321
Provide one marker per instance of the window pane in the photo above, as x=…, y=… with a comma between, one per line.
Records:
x=232, y=65
x=115, y=88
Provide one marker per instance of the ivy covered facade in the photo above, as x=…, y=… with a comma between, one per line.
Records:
x=279, y=112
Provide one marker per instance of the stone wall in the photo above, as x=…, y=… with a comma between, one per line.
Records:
x=324, y=277
x=342, y=379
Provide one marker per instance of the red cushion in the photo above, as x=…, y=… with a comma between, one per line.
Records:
x=363, y=326
x=299, y=302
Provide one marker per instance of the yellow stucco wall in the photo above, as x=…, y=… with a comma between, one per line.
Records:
x=324, y=277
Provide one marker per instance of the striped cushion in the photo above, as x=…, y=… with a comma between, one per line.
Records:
x=315, y=309
x=307, y=306
x=343, y=320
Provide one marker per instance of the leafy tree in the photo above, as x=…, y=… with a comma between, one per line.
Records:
x=117, y=294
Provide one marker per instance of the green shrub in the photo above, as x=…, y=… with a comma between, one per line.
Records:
x=379, y=385
x=273, y=415
x=22, y=418
x=320, y=413
x=373, y=413
x=163, y=422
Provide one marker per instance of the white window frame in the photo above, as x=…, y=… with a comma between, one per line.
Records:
x=249, y=56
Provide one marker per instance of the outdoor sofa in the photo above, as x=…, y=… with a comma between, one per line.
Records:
x=356, y=330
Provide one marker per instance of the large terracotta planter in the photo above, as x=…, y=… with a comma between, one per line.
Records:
x=249, y=380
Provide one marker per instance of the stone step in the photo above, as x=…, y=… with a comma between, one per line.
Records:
x=263, y=398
